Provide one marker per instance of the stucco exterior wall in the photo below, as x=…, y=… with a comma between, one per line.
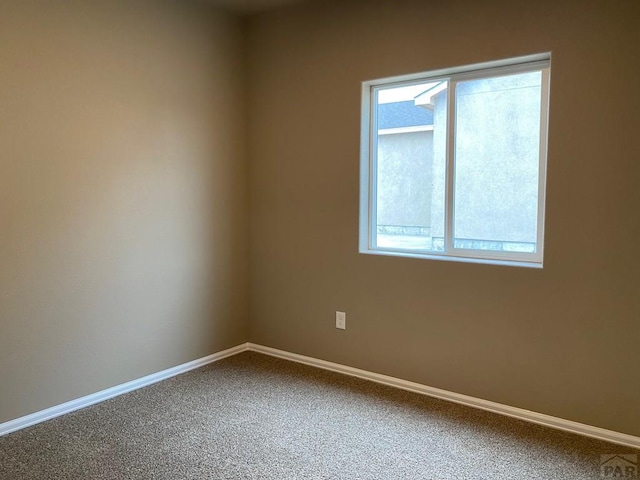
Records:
x=405, y=179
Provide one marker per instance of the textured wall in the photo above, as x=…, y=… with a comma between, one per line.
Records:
x=497, y=151
x=404, y=167
x=122, y=194
x=562, y=340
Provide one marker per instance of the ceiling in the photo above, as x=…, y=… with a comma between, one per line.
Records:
x=251, y=6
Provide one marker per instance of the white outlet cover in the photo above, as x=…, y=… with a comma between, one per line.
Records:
x=341, y=320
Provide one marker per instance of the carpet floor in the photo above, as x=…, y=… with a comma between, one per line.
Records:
x=251, y=416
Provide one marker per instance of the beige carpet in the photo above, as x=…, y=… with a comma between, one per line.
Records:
x=255, y=417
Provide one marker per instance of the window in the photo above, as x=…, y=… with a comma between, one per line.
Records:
x=453, y=163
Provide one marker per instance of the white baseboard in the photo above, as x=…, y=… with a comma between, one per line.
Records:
x=68, y=407
x=519, y=413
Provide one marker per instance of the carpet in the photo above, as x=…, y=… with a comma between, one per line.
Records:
x=252, y=416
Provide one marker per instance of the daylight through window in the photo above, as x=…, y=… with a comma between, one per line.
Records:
x=454, y=163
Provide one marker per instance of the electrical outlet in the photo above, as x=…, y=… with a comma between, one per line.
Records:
x=341, y=320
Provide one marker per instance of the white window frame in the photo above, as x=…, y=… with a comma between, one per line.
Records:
x=368, y=161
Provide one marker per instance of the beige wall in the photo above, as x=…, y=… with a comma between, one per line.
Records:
x=122, y=194
x=563, y=340
x=123, y=201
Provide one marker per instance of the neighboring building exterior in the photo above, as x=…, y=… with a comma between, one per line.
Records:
x=497, y=161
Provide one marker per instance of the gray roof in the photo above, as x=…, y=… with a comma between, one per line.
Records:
x=403, y=114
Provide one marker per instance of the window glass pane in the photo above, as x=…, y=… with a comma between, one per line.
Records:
x=497, y=158
x=410, y=147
